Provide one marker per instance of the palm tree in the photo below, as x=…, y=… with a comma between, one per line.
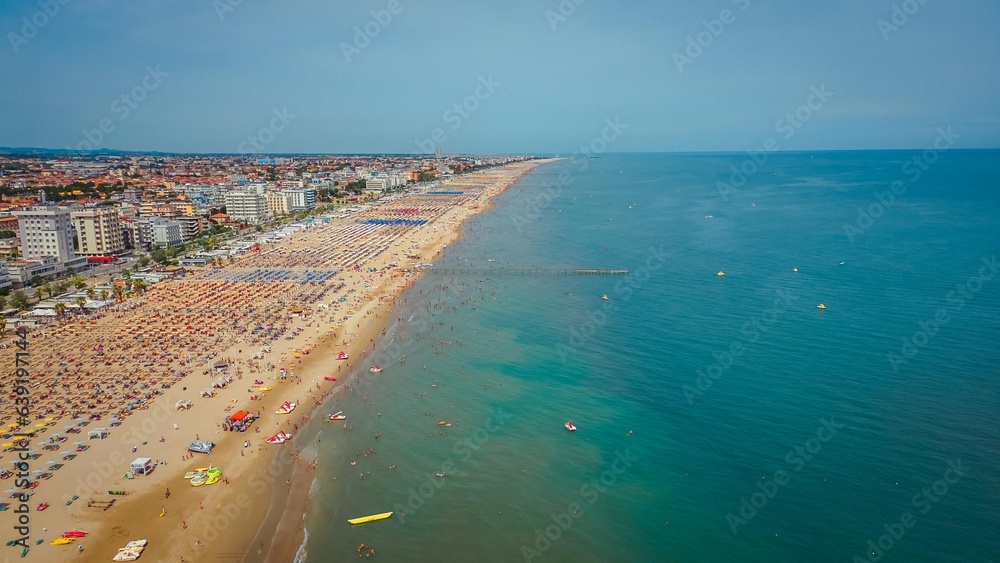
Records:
x=80, y=302
x=139, y=286
x=44, y=288
x=3, y=326
x=20, y=299
x=119, y=292
x=104, y=295
x=91, y=293
x=61, y=310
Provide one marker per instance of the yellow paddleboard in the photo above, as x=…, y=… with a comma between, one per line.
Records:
x=371, y=518
x=61, y=541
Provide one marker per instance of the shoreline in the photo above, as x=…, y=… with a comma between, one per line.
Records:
x=297, y=503
x=223, y=521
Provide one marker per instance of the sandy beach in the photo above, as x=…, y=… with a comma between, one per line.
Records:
x=249, y=336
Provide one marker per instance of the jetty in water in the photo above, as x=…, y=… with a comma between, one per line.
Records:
x=529, y=271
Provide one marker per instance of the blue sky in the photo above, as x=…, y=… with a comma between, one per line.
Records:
x=207, y=75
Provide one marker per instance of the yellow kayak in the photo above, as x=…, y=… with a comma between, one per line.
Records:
x=371, y=518
x=62, y=541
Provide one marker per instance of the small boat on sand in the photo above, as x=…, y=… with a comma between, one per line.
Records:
x=371, y=518
x=279, y=438
x=570, y=426
x=62, y=541
x=341, y=355
x=285, y=408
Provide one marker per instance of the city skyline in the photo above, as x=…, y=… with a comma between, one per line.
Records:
x=395, y=77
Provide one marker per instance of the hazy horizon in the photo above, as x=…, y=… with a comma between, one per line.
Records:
x=402, y=77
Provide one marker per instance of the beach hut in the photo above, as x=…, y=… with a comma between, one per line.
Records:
x=141, y=465
x=97, y=433
x=183, y=405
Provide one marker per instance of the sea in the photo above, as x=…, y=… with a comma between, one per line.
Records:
x=718, y=417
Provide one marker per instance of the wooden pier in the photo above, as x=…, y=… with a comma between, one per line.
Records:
x=528, y=271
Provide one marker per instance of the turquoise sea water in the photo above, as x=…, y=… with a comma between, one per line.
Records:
x=738, y=392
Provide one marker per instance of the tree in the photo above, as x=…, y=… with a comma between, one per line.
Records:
x=91, y=294
x=36, y=280
x=3, y=326
x=139, y=286
x=143, y=261
x=44, y=288
x=80, y=302
x=20, y=299
x=3, y=303
x=61, y=286
x=119, y=292
x=70, y=271
x=61, y=310
x=78, y=282
x=104, y=295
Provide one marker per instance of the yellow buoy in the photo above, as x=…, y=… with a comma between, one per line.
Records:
x=821, y=306
x=604, y=297
x=721, y=273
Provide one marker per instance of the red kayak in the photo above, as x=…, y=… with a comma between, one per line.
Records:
x=328, y=378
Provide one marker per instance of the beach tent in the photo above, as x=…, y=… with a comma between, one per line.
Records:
x=239, y=415
x=100, y=433
x=141, y=465
x=208, y=392
x=183, y=404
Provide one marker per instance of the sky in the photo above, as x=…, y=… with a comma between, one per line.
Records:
x=511, y=77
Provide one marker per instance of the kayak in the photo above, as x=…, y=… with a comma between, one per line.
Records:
x=62, y=541
x=371, y=518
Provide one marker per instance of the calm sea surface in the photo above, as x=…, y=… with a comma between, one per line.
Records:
x=720, y=418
